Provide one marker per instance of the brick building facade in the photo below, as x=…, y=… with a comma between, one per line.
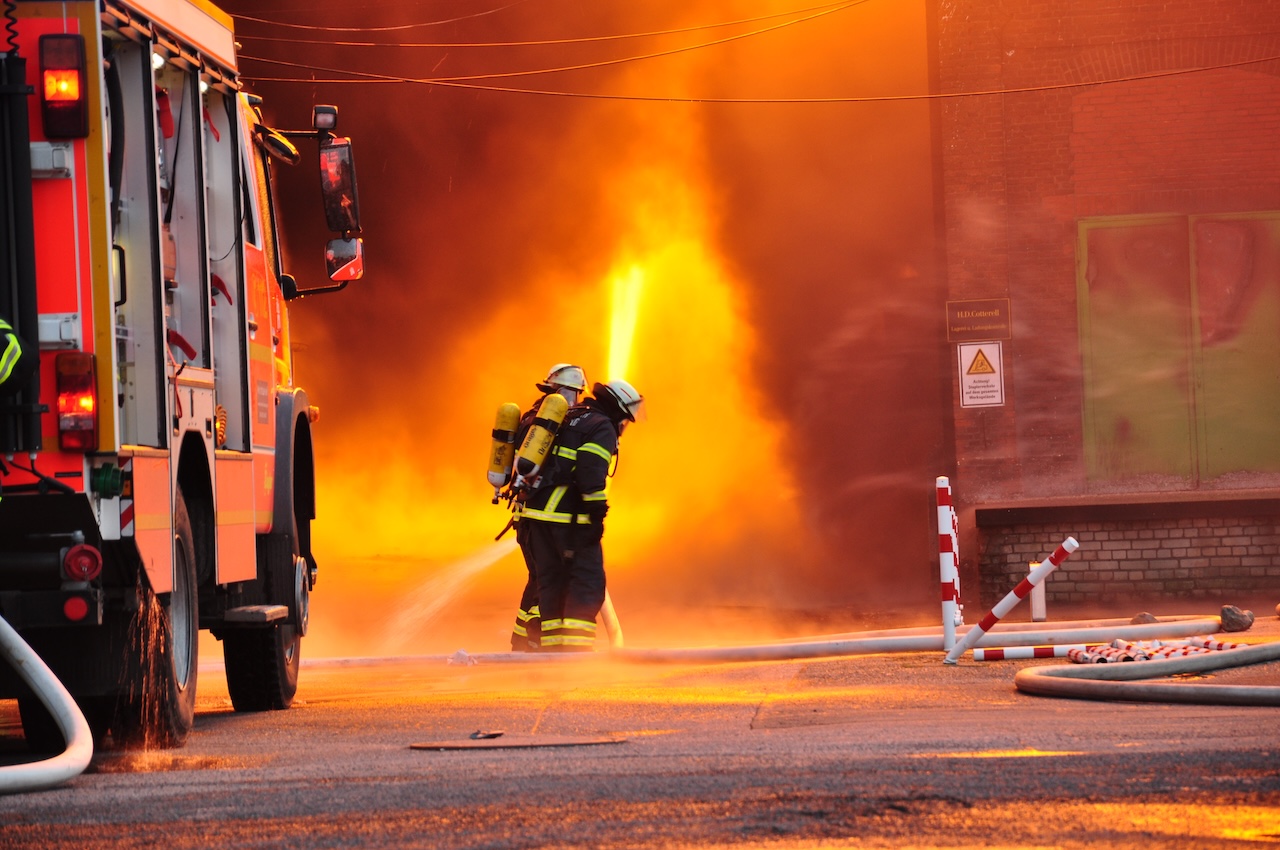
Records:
x=1111, y=172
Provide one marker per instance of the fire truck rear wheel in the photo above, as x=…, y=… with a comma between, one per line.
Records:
x=262, y=667
x=42, y=732
x=159, y=705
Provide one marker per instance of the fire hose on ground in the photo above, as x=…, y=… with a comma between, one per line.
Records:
x=1089, y=681
x=1040, y=640
x=989, y=639
x=75, y=729
x=918, y=639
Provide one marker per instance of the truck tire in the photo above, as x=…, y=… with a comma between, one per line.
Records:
x=159, y=705
x=262, y=667
x=262, y=663
x=39, y=728
x=42, y=732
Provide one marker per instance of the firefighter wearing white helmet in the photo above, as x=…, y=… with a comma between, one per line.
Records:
x=565, y=515
x=570, y=381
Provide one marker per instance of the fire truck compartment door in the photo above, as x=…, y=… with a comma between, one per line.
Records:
x=237, y=551
x=153, y=518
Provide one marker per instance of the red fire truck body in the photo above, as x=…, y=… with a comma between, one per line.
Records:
x=156, y=470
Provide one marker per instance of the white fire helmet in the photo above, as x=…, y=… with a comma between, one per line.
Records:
x=630, y=402
x=564, y=376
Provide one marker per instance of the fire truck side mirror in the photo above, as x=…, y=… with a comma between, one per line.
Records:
x=338, y=186
x=344, y=259
x=277, y=146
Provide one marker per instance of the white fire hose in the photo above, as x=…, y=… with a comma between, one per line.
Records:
x=75, y=729
x=929, y=638
x=917, y=639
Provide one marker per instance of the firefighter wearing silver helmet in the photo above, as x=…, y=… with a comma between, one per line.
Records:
x=565, y=515
x=569, y=381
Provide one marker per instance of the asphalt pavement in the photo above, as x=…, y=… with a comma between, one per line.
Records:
x=889, y=749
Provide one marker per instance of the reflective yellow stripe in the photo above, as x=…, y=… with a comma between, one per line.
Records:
x=568, y=454
x=596, y=449
x=598, y=496
x=573, y=640
x=552, y=625
x=550, y=514
x=584, y=625
x=551, y=640
x=9, y=359
x=520, y=630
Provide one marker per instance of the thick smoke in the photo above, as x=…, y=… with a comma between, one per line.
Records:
x=787, y=336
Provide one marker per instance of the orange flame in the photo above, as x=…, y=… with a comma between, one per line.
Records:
x=632, y=249
x=698, y=485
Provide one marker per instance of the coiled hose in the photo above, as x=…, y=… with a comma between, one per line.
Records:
x=1118, y=681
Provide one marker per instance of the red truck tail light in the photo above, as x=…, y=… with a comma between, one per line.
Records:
x=77, y=402
x=82, y=563
x=64, y=96
x=75, y=608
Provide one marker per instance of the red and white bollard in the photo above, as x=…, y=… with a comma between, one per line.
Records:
x=948, y=563
x=1038, y=611
x=1007, y=653
x=1004, y=606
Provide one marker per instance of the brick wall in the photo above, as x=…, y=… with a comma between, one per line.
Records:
x=1216, y=559
x=1021, y=168
x=1069, y=110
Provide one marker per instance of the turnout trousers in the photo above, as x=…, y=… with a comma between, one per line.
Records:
x=526, y=634
x=571, y=584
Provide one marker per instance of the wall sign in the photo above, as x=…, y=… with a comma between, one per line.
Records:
x=981, y=374
x=987, y=318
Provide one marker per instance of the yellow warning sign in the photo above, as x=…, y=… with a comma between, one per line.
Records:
x=980, y=365
x=981, y=374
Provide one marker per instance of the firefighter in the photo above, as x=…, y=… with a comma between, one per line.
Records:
x=565, y=516
x=17, y=359
x=569, y=381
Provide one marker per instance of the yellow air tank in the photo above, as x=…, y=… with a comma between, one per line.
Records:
x=537, y=444
x=502, y=450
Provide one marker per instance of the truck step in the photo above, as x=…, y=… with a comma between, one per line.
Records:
x=256, y=615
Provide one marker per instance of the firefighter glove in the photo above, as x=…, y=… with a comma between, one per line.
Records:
x=593, y=532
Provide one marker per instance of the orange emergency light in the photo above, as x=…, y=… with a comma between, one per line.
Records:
x=77, y=402
x=64, y=102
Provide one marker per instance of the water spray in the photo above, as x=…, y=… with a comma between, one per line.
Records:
x=440, y=590
x=622, y=324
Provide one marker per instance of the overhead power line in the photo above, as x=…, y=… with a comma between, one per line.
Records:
x=529, y=43
x=586, y=65
x=371, y=78
x=398, y=27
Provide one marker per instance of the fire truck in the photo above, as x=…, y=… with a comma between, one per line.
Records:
x=156, y=470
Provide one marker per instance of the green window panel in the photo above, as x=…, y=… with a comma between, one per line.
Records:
x=1180, y=336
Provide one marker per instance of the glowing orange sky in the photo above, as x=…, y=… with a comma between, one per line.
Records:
x=750, y=251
